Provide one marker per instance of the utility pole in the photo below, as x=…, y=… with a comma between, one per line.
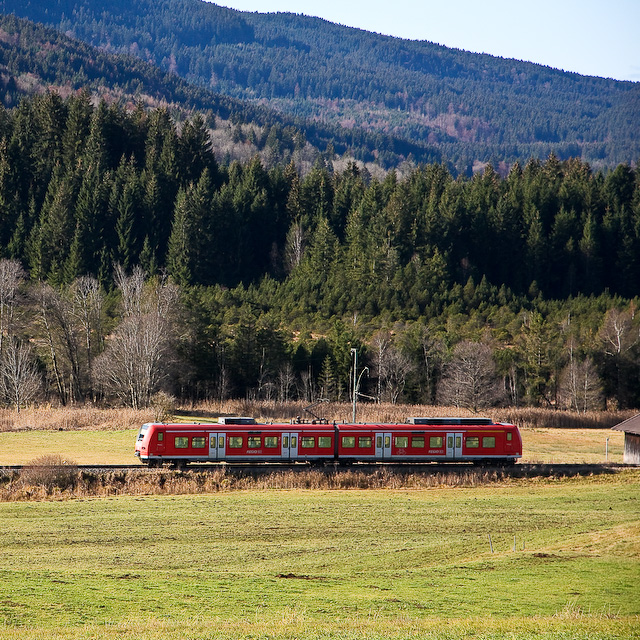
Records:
x=354, y=353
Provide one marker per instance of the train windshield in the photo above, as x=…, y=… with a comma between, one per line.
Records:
x=143, y=430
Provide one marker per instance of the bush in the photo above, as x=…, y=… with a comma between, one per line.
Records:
x=163, y=406
x=50, y=472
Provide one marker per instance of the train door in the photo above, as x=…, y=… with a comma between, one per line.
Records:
x=160, y=436
x=217, y=446
x=289, y=446
x=454, y=446
x=383, y=446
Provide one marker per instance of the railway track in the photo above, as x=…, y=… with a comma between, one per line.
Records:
x=519, y=470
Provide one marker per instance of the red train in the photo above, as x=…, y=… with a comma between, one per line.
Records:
x=236, y=439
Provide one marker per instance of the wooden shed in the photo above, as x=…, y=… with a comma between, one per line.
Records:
x=631, y=428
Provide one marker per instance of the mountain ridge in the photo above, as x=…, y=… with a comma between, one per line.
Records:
x=71, y=65
x=472, y=108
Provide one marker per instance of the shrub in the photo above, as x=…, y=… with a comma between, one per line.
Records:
x=50, y=472
x=163, y=406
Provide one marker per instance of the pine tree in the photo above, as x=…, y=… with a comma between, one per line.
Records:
x=50, y=239
x=187, y=250
x=78, y=129
x=195, y=151
x=327, y=381
x=179, y=250
x=126, y=211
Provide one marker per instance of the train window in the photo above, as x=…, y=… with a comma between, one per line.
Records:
x=198, y=442
x=387, y=442
x=473, y=442
x=270, y=441
x=348, y=442
x=160, y=436
x=417, y=442
x=435, y=442
x=254, y=442
x=220, y=442
x=365, y=442
x=235, y=442
x=401, y=441
x=294, y=442
x=285, y=442
x=324, y=442
x=378, y=442
x=509, y=436
x=181, y=442
x=307, y=442
x=489, y=442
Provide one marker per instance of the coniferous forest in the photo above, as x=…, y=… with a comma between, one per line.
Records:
x=382, y=98
x=133, y=260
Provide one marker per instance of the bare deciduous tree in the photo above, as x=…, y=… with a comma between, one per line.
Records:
x=391, y=367
x=617, y=334
x=398, y=368
x=433, y=350
x=619, y=337
x=286, y=382
x=470, y=379
x=380, y=348
x=132, y=289
x=87, y=308
x=294, y=247
x=59, y=340
x=20, y=381
x=580, y=388
x=11, y=275
x=139, y=355
x=308, y=391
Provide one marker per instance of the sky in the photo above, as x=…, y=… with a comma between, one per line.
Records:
x=590, y=37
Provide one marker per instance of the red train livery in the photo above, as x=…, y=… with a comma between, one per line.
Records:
x=238, y=439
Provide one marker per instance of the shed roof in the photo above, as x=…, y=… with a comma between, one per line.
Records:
x=631, y=425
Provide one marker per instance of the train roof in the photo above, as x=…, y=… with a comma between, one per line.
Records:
x=412, y=424
x=450, y=421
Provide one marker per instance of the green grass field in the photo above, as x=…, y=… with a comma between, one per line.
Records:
x=329, y=564
x=116, y=447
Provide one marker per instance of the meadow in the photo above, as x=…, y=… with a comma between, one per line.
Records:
x=533, y=559
x=550, y=558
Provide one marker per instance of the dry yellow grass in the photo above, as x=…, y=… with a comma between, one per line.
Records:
x=572, y=446
x=368, y=412
x=89, y=417
x=74, y=418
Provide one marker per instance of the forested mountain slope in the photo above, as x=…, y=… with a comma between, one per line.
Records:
x=34, y=58
x=472, y=108
x=264, y=280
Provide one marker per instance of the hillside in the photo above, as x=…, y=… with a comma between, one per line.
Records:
x=471, y=108
x=34, y=58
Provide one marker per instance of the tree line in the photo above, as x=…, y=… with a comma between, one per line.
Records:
x=131, y=244
x=80, y=343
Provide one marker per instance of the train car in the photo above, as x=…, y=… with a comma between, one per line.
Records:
x=240, y=439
